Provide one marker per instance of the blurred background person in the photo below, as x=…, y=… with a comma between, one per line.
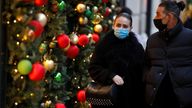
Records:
x=186, y=16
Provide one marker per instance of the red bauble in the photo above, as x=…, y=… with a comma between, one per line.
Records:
x=72, y=52
x=38, y=28
x=37, y=73
x=105, y=1
x=83, y=40
x=107, y=11
x=95, y=37
x=81, y=96
x=60, y=105
x=63, y=40
x=40, y=2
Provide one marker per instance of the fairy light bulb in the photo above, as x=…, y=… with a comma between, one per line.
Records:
x=15, y=63
x=15, y=70
x=17, y=43
x=16, y=103
x=27, y=56
x=75, y=102
x=31, y=94
x=24, y=38
x=14, y=21
x=22, y=77
x=18, y=35
x=8, y=22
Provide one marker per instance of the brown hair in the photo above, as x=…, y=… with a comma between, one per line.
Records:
x=126, y=15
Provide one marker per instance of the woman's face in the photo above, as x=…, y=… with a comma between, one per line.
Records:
x=122, y=22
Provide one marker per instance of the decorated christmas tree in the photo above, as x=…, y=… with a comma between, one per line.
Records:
x=50, y=43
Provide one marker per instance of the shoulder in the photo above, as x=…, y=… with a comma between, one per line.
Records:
x=105, y=41
x=134, y=39
x=186, y=34
x=154, y=35
x=186, y=30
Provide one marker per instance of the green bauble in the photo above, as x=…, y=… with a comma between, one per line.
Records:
x=43, y=48
x=24, y=66
x=88, y=13
x=62, y=6
x=58, y=77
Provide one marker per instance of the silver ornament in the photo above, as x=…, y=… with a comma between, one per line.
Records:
x=42, y=18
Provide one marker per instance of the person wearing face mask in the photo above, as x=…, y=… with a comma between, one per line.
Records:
x=119, y=58
x=168, y=75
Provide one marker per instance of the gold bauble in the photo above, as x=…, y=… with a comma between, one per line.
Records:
x=48, y=64
x=98, y=28
x=27, y=35
x=96, y=19
x=83, y=20
x=52, y=44
x=81, y=8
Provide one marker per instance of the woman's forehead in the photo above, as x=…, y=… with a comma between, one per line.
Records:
x=123, y=20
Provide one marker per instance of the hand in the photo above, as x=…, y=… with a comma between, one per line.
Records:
x=118, y=80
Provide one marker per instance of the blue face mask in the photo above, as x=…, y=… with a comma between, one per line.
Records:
x=121, y=33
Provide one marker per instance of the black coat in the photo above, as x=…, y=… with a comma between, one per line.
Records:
x=170, y=52
x=188, y=23
x=124, y=57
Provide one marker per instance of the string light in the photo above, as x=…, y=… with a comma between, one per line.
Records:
x=15, y=70
x=27, y=56
x=17, y=43
x=8, y=22
x=31, y=94
x=75, y=102
x=46, y=81
x=19, y=18
x=15, y=63
x=24, y=37
x=16, y=103
x=22, y=77
x=15, y=21
x=91, y=55
x=18, y=35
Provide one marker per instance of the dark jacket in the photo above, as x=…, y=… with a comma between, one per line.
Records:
x=170, y=52
x=188, y=23
x=124, y=57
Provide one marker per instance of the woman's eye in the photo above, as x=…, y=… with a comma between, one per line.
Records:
x=125, y=26
x=118, y=25
x=122, y=25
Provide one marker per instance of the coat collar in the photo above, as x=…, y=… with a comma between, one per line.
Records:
x=169, y=34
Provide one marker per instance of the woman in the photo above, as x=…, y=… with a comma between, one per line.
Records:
x=118, y=59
